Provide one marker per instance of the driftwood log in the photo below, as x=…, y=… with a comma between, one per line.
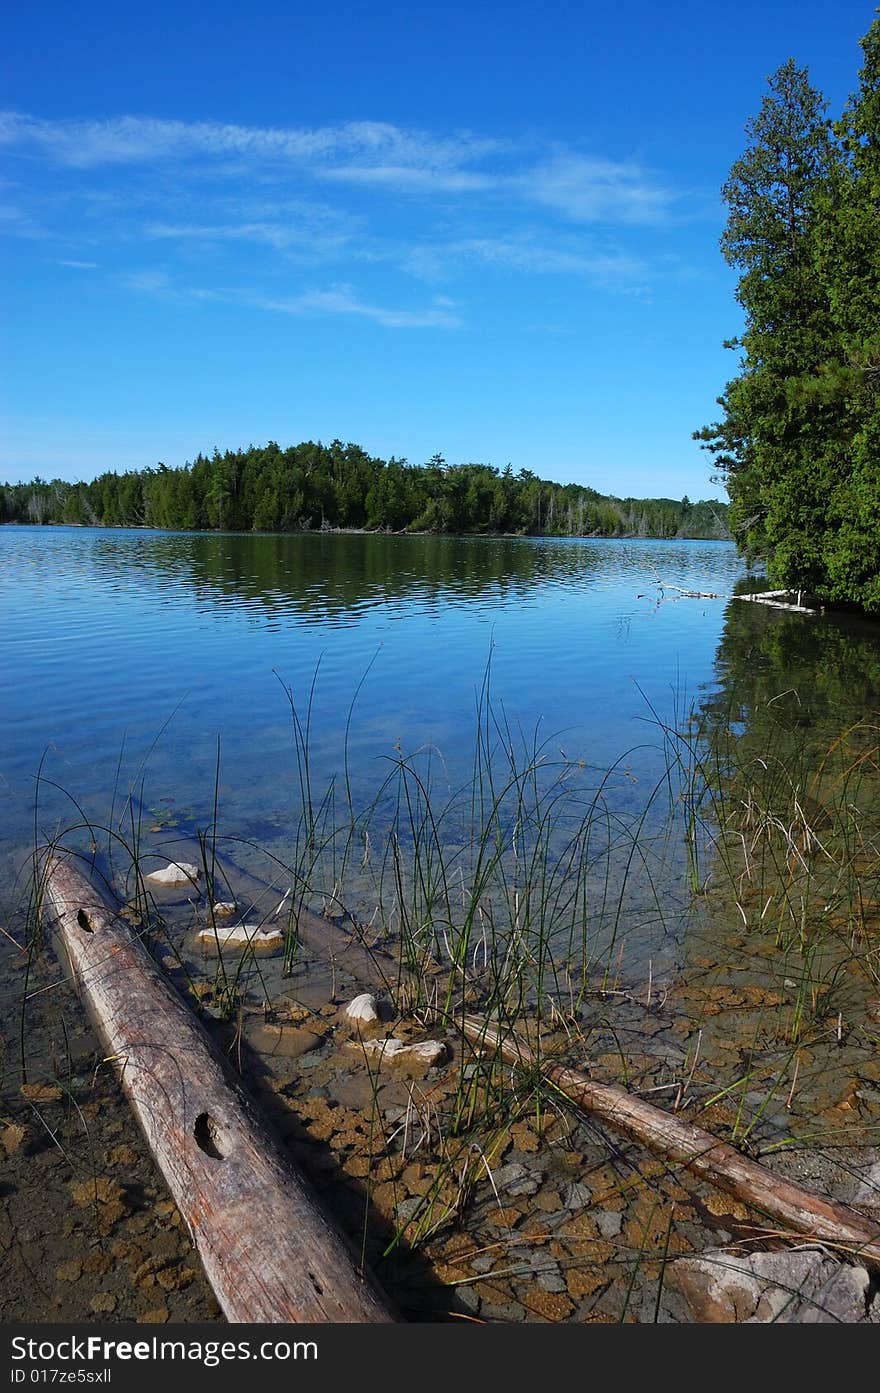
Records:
x=798, y=1208
x=801, y=1210
x=270, y=1251
x=804, y=1211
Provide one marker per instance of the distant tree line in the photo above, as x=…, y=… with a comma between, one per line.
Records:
x=798, y=441
x=310, y=487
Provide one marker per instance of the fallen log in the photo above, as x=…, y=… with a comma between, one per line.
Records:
x=722, y=1165
x=802, y=1210
x=270, y=1251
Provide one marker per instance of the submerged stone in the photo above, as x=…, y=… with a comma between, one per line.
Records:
x=174, y=874
x=241, y=936
x=364, y=1009
x=425, y=1053
x=867, y=1191
x=578, y=1196
x=804, y=1286
x=515, y=1179
x=609, y=1222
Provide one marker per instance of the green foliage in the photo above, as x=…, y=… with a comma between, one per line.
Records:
x=313, y=487
x=797, y=441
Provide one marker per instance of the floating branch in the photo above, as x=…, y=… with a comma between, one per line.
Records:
x=771, y=598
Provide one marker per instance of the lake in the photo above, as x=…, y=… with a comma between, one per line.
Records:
x=144, y=676
x=138, y=659
x=124, y=652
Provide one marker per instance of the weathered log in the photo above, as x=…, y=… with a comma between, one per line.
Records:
x=798, y=1208
x=269, y=1249
x=804, y=1211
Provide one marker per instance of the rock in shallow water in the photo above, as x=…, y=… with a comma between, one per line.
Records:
x=364, y=1010
x=426, y=1052
x=516, y=1179
x=175, y=873
x=866, y=1195
x=804, y=1286
x=241, y=936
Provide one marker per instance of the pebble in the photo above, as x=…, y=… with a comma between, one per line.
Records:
x=407, y=1209
x=364, y=1009
x=506, y=1312
x=397, y=1114
x=175, y=873
x=578, y=1195
x=608, y=1221
x=484, y=1263
x=467, y=1297
x=514, y=1179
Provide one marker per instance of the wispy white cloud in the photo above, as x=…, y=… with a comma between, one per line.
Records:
x=342, y=300
x=166, y=287
x=376, y=201
x=367, y=153
x=579, y=188
x=149, y=282
x=338, y=299
x=139, y=140
x=18, y=221
x=613, y=268
x=594, y=190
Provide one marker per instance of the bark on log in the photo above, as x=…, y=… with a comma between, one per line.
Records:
x=270, y=1251
x=798, y=1208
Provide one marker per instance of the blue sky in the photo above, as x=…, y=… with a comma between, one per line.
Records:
x=485, y=229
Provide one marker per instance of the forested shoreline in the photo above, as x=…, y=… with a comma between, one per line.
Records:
x=312, y=487
x=798, y=441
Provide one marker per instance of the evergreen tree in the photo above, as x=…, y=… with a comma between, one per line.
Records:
x=799, y=438
x=761, y=444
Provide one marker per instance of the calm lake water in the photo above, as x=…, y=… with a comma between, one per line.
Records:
x=128, y=658
x=124, y=652
x=131, y=658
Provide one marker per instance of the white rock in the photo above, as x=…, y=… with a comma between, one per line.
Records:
x=425, y=1053
x=385, y=1049
x=364, y=1009
x=241, y=936
x=800, y=1286
x=175, y=873
x=224, y=909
